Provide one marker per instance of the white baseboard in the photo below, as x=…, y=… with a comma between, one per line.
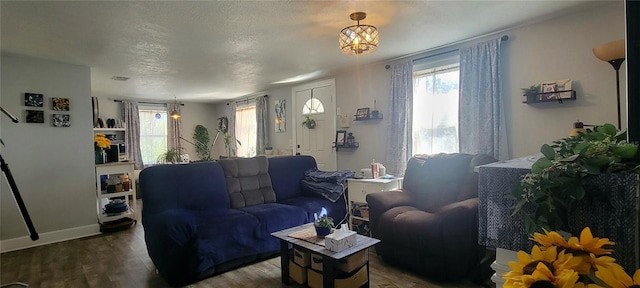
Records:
x=49, y=238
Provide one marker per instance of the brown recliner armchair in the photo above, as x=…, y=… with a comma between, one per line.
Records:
x=430, y=226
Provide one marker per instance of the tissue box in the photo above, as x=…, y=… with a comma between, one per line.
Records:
x=340, y=240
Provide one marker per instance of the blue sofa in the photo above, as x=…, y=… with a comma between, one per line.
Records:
x=204, y=218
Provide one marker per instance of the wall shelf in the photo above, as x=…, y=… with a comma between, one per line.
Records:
x=354, y=146
x=368, y=117
x=556, y=96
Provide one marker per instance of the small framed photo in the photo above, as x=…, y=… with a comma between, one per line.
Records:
x=341, y=135
x=61, y=120
x=35, y=116
x=33, y=100
x=362, y=113
x=548, y=89
x=60, y=104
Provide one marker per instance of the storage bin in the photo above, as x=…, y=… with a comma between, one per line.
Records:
x=352, y=280
x=346, y=265
x=297, y=273
x=301, y=257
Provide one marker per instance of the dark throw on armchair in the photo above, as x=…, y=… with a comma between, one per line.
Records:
x=430, y=226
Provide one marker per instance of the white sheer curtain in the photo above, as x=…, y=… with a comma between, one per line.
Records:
x=246, y=130
x=482, y=121
x=232, y=129
x=399, y=141
x=132, y=135
x=262, y=131
x=174, y=128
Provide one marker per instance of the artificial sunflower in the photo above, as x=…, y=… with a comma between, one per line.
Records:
x=101, y=141
x=549, y=239
x=542, y=277
x=615, y=277
x=527, y=265
x=590, y=244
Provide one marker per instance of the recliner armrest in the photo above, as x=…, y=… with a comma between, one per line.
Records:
x=469, y=204
x=379, y=202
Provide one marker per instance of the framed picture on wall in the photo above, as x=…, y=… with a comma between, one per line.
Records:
x=61, y=120
x=33, y=100
x=60, y=104
x=362, y=113
x=341, y=136
x=35, y=116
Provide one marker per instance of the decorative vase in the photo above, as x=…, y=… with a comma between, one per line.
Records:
x=100, y=156
x=323, y=231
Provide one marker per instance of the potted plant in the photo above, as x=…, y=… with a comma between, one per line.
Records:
x=226, y=138
x=531, y=92
x=171, y=156
x=201, y=137
x=309, y=122
x=323, y=226
x=547, y=195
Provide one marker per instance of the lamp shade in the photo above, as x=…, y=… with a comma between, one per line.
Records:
x=175, y=115
x=610, y=51
x=358, y=39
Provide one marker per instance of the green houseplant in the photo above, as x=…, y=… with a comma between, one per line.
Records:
x=170, y=156
x=309, y=122
x=226, y=138
x=201, y=137
x=324, y=225
x=554, y=184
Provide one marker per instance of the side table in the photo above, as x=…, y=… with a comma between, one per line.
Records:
x=329, y=258
x=358, y=190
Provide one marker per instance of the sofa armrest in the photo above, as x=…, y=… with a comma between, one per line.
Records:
x=379, y=202
x=170, y=236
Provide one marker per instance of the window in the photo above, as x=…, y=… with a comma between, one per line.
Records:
x=435, y=109
x=312, y=106
x=246, y=130
x=153, y=133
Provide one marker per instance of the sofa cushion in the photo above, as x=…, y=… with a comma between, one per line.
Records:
x=275, y=217
x=413, y=228
x=225, y=234
x=435, y=180
x=287, y=172
x=248, y=181
x=193, y=186
x=313, y=204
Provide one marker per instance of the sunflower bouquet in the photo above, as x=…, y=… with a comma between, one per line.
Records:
x=101, y=141
x=574, y=263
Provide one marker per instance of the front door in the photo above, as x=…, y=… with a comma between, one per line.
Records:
x=316, y=101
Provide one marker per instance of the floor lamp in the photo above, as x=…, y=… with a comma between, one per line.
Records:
x=614, y=53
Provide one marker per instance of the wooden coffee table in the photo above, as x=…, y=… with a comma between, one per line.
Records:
x=329, y=258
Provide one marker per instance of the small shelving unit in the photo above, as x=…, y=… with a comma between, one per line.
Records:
x=556, y=96
x=103, y=198
x=368, y=117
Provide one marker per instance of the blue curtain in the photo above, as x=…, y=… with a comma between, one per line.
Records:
x=401, y=115
x=481, y=116
x=132, y=136
x=262, y=116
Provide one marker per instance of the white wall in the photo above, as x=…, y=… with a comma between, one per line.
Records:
x=52, y=166
x=558, y=49
x=554, y=49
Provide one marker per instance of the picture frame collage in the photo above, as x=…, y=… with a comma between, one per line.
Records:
x=33, y=113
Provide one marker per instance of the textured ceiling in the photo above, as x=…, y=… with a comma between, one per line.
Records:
x=209, y=51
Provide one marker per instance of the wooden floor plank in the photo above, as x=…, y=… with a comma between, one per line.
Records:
x=120, y=259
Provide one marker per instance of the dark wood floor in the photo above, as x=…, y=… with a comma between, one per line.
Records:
x=120, y=260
